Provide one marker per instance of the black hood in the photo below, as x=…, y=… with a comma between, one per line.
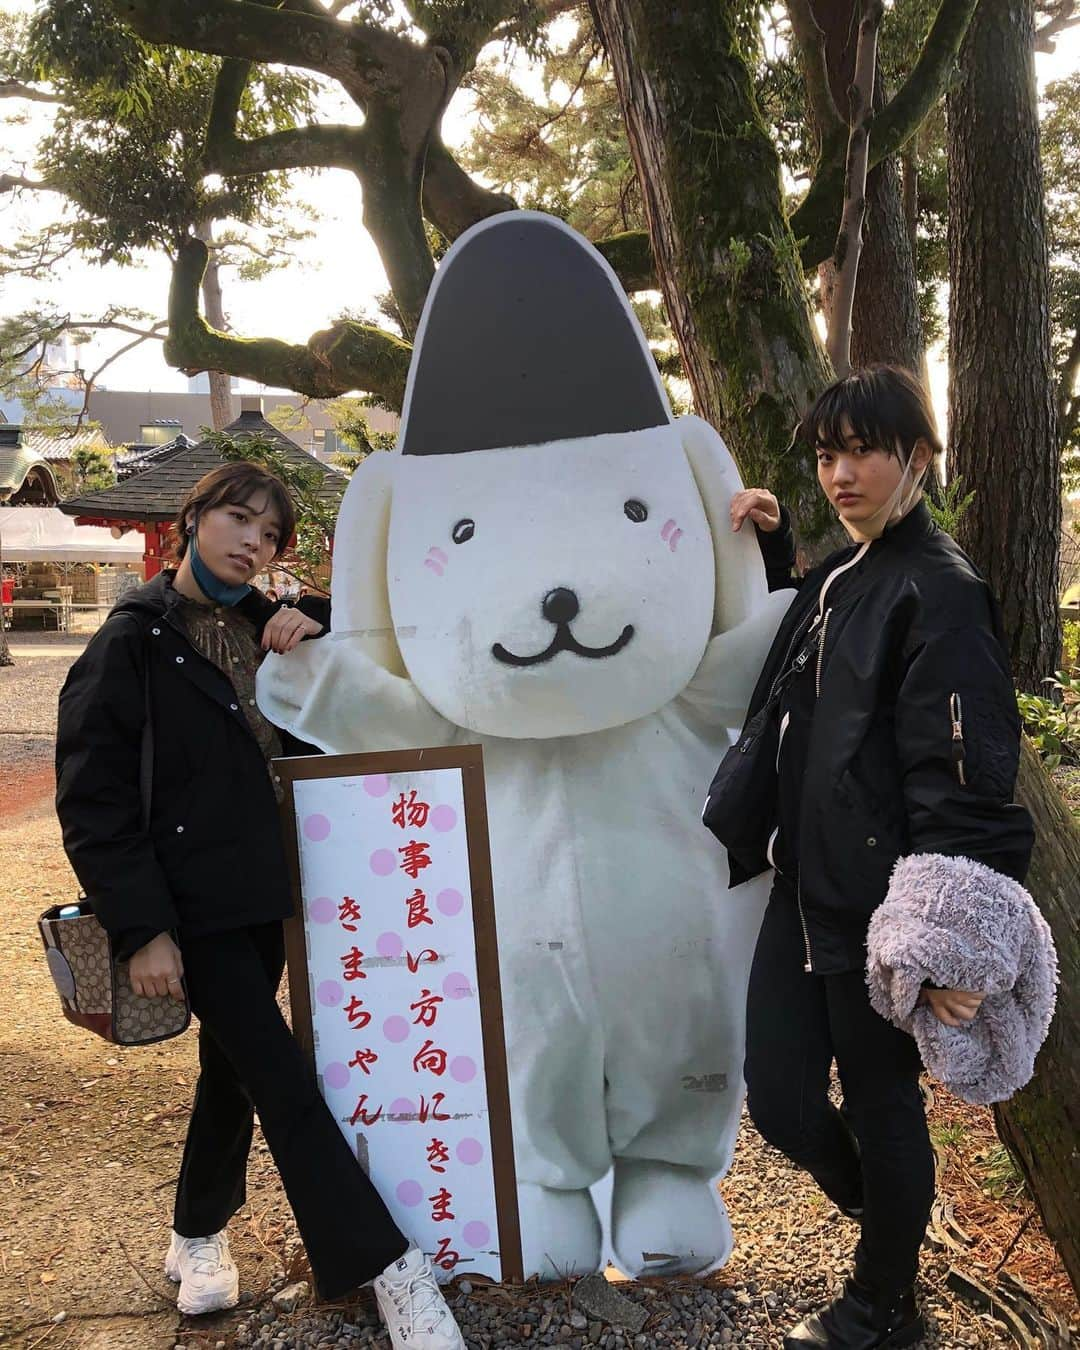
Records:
x=152, y=597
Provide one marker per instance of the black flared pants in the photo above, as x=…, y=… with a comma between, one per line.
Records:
x=250, y=1062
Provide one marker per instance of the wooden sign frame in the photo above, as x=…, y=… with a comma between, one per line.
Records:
x=469, y=759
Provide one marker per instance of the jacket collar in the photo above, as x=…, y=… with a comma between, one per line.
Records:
x=917, y=524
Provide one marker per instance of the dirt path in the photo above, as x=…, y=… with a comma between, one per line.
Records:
x=90, y=1134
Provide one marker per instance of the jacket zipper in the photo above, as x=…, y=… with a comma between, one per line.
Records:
x=956, y=716
x=821, y=652
x=808, y=965
x=823, y=619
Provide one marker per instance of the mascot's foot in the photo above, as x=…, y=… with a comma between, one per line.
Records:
x=667, y=1220
x=560, y=1232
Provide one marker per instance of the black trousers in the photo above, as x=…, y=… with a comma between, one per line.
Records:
x=250, y=1062
x=876, y=1155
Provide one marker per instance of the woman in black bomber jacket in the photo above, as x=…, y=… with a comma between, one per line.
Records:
x=898, y=736
x=200, y=896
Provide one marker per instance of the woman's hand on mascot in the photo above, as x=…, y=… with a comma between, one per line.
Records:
x=157, y=970
x=760, y=505
x=954, y=1007
x=287, y=629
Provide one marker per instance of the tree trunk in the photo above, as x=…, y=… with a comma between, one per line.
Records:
x=1003, y=442
x=885, y=324
x=1041, y=1125
x=727, y=261
x=220, y=382
x=6, y=658
x=1002, y=437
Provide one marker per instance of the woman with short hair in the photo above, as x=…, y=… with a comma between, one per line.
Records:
x=895, y=735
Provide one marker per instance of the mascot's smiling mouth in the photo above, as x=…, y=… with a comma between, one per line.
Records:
x=563, y=641
x=560, y=607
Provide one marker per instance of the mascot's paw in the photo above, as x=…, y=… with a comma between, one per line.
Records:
x=560, y=1232
x=283, y=682
x=667, y=1220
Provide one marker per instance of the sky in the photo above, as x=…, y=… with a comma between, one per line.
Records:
x=338, y=268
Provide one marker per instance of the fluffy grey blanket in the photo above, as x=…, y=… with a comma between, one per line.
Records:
x=961, y=925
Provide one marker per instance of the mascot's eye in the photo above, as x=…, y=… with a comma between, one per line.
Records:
x=637, y=511
x=464, y=529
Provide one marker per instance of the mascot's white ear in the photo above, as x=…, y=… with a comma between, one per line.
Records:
x=361, y=602
x=740, y=573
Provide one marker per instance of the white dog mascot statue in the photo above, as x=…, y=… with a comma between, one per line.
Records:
x=545, y=566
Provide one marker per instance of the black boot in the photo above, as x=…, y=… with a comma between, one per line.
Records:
x=860, y=1319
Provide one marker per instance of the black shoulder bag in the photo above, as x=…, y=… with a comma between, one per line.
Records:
x=741, y=807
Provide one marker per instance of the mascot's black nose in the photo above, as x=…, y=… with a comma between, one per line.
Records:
x=560, y=605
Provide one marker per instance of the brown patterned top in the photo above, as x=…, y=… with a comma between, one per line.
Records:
x=228, y=641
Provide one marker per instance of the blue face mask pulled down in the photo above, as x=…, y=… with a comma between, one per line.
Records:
x=219, y=591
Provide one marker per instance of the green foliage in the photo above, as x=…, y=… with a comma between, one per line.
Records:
x=125, y=155
x=1061, y=164
x=949, y=1134
x=950, y=505
x=1070, y=646
x=315, y=517
x=1054, y=724
x=565, y=152
x=1001, y=1178
x=92, y=470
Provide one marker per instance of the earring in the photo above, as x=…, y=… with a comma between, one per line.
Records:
x=191, y=529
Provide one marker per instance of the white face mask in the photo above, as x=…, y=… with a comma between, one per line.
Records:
x=902, y=498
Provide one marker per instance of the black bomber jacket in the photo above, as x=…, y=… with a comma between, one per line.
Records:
x=915, y=737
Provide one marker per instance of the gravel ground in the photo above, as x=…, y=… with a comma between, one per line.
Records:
x=96, y=1292
x=28, y=693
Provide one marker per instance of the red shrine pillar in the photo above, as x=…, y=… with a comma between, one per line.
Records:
x=157, y=548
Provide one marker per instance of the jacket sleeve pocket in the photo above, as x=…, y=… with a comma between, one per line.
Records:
x=958, y=745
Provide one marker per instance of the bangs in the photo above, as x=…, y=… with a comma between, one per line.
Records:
x=844, y=409
x=884, y=406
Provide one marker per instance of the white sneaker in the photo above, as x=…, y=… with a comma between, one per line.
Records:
x=209, y=1280
x=413, y=1308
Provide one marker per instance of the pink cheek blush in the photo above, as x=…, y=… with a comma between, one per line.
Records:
x=436, y=561
x=671, y=534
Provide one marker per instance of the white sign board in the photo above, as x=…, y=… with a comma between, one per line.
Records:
x=393, y=968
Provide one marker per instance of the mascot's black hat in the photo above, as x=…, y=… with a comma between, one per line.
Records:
x=526, y=337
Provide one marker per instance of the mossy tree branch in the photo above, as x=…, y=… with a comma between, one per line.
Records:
x=811, y=39
x=345, y=357
x=366, y=60
x=817, y=219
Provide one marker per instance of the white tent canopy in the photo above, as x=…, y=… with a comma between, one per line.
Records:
x=45, y=534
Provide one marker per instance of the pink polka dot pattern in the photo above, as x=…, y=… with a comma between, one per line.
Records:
x=477, y=1234
x=322, y=909
x=329, y=993
x=462, y=1069
x=443, y=818
x=336, y=1075
x=457, y=985
x=317, y=828
x=396, y=1030
x=377, y=784
x=450, y=902
x=470, y=1152
x=382, y=862
x=389, y=945
x=410, y=1193
x=402, y=1107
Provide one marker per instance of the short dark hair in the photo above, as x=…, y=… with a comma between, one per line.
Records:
x=237, y=483
x=886, y=406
